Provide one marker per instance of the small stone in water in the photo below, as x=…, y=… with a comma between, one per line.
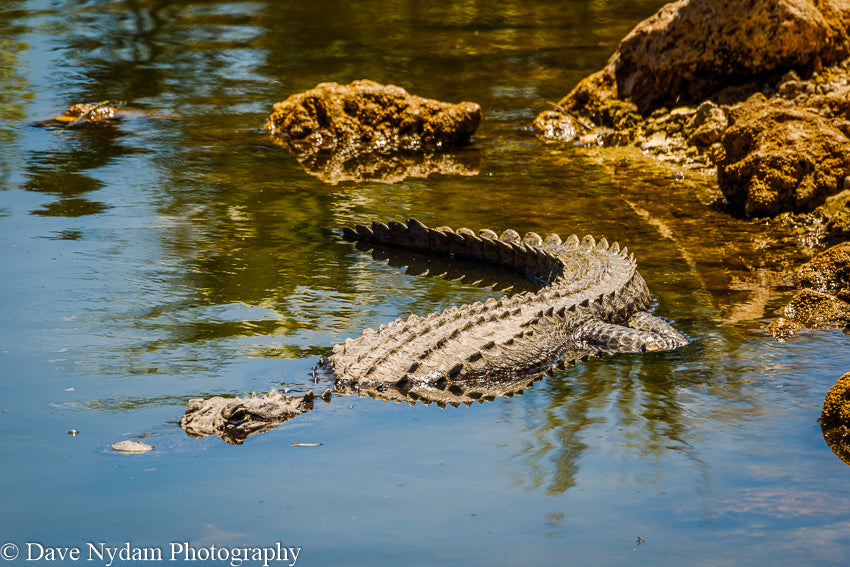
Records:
x=131, y=447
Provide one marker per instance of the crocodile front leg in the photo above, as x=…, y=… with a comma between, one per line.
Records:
x=641, y=333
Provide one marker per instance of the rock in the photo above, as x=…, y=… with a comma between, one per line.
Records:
x=814, y=309
x=835, y=213
x=828, y=272
x=366, y=117
x=775, y=159
x=557, y=125
x=838, y=225
x=131, y=447
x=824, y=300
x=835, y=418
x=98, y=114
x=80, y=113
x=708, y=124
x=836, y=405
x=595, y=97
x=692, y=48
x=783, y=329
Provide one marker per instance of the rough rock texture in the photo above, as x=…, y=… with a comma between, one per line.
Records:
x=731, y=72
x=835, y=418
x=365, y=117
x=234, y=419
x=828, y=272
x=691, y=49
x=774, y=159
x=823, y=299
x=836, y=405
x=835, y=213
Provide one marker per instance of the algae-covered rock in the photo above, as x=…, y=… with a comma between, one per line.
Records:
x=367, y=116
x=368, y=131
x=776, y=159
x=823, y=299
x=836, y=406
x=835, y=418
x=814, y=309
x=828, y=272
x=691, y=49
x=699, y=57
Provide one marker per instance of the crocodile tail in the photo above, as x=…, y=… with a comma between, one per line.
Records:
x=508, y=249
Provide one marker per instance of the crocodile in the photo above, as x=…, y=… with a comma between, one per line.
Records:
x=590, y=301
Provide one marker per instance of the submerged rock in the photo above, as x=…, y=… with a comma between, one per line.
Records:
x=828, y=272
x=131, y=447
x=823, y=299
x=337, y=124
x=835, y=418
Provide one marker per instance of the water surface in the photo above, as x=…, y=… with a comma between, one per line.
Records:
x=181, y=253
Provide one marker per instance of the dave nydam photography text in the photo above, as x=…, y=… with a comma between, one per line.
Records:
x=100, y=553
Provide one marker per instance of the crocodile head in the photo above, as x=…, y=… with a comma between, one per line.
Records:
x=234, y=419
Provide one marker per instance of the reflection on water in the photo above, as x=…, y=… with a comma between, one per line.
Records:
x=181, y=253
x=385, y=167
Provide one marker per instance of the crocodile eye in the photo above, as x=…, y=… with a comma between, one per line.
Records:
x=238, y=417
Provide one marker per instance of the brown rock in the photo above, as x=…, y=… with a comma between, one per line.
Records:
x=835, y=418
x=707, y=125
x=365, y=116
x=557, y=125
x=824, y=300
x=828, y=272
x=596, y=98
x=775, y=159
x=692, y=48
x=815, y=309
x=783, y=329
x=836, y=406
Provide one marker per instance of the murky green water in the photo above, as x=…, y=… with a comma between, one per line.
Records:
x=182, y=254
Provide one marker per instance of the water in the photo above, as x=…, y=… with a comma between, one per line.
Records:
x=181, y=254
